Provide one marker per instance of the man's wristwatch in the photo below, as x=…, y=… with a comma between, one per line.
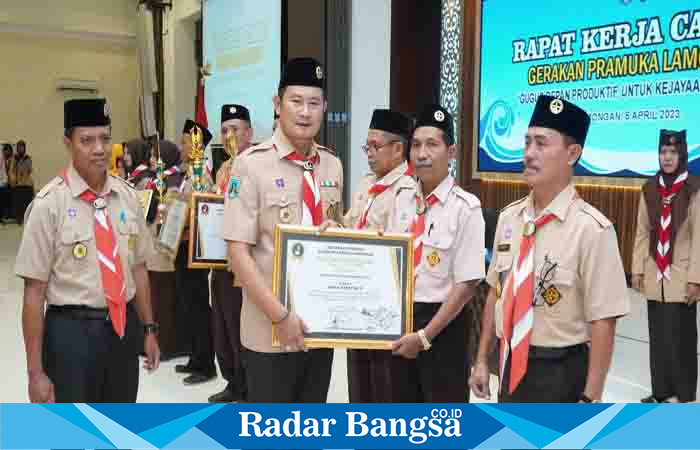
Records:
x=424, y=340
x=586, y=399
x=151, y=328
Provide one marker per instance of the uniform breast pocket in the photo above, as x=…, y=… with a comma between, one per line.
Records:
x=280, y=207
x=436, y=254
x=128, y=240
x=77, y=246
x=330, y=201
x=503, y=264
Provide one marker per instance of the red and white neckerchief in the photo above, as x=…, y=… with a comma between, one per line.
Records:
x=518, y=314
x=108, y=257
x=376, y=189
x=312, y=211
x=663, y=247
x=138, y=171
x=417, y=227
x=174, y=169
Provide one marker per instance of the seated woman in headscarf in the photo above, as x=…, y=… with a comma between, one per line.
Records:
x=666, y=269
x=161, y=268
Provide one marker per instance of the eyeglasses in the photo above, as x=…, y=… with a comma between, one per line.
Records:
x=366, y=148
x=545, y=276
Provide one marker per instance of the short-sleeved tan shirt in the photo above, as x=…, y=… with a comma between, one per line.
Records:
x=382, y=207
x=685, y=266
x=58, y=221
x=588, y=275
x=269, y=192
x=453, y=241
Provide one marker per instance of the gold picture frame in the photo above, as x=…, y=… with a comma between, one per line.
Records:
x=353, y=262
x=145, y=196
x=206, y=205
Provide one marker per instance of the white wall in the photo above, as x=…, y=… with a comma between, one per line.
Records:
x=40, y=43
x=370, y=76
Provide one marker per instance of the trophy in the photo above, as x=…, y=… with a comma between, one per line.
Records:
x=197, y=160
x=159, y=182
x=231, y=145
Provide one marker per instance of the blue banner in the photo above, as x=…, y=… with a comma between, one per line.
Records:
x=634, y=65
x=360, y=426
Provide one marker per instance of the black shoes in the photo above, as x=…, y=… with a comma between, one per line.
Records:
x=199, y=377
x=183, y=368
x=227, y=396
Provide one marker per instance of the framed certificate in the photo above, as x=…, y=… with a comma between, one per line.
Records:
x=174, y=224
x=206, y=248
x=145, y=197
x=352, y=289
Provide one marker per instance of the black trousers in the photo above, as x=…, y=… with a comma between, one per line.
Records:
x=171, y=337
x=369, y=376
x=22, y=196
x=553, y=376
x=193, y=291
x=226, y=305
x=298, y=377
x=86, y=360
x=673, y=357
x=5, y=203
x=438, y=375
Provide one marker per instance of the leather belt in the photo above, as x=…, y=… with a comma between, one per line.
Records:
x=556, y=352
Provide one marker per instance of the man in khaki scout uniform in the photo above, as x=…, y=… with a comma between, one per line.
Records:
x=430, y=364
x=270, y=187
x=556, y=278
x=666, y=269
x=83, y=252
x=193, y=284
x=227, y=297
x=369, y=374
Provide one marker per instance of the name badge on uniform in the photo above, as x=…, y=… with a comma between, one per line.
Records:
x=433, y=259
x=133, y=240
x=79, y=251
x=329, y=184
x=503, y=248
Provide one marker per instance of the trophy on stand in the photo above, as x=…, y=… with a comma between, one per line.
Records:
x=197, y=160
x=159, y=182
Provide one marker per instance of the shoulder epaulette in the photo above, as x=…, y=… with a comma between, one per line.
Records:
x=471, y=199
x=515, y=203
x=124, y=182
x=329, y=150
x=57, y=181
x=598, y=216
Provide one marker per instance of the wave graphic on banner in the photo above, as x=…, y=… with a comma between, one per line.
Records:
x=503, y=135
